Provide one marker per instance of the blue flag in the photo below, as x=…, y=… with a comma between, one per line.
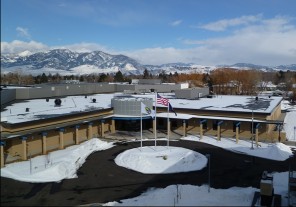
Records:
x=171, y=109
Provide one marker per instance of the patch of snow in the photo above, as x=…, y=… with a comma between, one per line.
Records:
x=25, y=53
x=56, y=166
x=290, y=125
x=161, y=160
x=272, y=151
x=129, y=67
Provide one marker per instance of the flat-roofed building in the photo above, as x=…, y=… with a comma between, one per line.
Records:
x=192, y=93
x=38, y=126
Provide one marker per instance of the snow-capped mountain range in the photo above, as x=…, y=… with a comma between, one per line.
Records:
x=67, y=62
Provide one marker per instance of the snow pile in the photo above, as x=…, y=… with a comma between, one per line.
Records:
x=160, y=159
x=280, y=151
x=272, y=151
x=290, y=125
x=189, y=195
x=55, y=166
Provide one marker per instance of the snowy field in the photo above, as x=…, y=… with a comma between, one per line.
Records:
x=63, y=164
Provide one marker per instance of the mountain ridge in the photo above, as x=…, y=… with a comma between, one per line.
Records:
x=65, y=60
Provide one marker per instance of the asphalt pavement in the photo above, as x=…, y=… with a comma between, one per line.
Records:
x=100, y=180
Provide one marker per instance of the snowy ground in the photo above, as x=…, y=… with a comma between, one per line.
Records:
x=63, y=164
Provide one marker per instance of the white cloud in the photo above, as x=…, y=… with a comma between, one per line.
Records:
x=84, y=47
x=223, y=24
x=23, y=32
x=176, y=23
x=268, y=42
x=18, y=46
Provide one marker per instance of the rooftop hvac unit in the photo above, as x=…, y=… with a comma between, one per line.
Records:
x=58, y=102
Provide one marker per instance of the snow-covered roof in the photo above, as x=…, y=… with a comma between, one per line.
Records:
x=188, y=116
x=41, y=109
x=230, y=103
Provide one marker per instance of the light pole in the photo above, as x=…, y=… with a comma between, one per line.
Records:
x=256, y=99
x=252, y=127
x=209, y=172
x=294, y=131
x=279, y=126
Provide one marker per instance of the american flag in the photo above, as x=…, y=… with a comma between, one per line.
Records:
x=161, y=100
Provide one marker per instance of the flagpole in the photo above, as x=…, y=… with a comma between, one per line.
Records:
x=155, y=130
x=168, y=136
x=141, y=128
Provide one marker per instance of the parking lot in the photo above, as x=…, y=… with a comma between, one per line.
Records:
x=100, y=180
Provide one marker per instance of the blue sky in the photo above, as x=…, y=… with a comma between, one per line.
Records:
x=205, y=32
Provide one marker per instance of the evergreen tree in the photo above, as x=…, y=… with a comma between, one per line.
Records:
x=118, y=77
x=43, y=78
x=146, y=74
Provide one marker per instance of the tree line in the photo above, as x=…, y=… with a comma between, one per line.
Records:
x=220, y=81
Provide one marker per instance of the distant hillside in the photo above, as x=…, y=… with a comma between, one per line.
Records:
x=66, y=62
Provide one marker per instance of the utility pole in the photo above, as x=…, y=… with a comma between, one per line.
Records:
x=209, y=171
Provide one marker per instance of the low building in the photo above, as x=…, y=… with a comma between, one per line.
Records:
x=192, y=93
x=38, y=126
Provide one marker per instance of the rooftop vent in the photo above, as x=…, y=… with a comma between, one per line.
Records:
x=58, y=102
x=94, y=100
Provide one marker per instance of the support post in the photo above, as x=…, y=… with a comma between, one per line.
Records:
x=90, y=131
x=102, y=128
x=44, y=147
x=219, y=130
x=24, y=148
x=219, y=133
x=184, y=128
x=77, y=134
x=201, y=130
x=61, y=133
x=257, y=134
x=237, y=131
x=201, y=127
x=112, y=126
x=2, y=153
